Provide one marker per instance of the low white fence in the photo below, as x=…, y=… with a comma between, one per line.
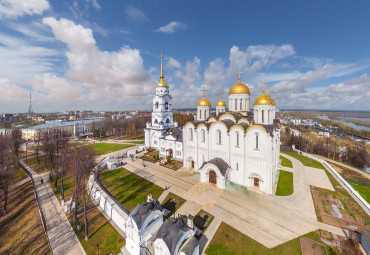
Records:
x=339, y=177
x=114, y=210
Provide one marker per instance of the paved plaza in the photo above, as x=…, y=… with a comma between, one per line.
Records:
x=270, y=220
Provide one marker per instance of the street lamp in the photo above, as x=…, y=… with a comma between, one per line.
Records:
x=26, y=151
x=97, y=245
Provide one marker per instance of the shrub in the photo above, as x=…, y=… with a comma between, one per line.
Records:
x=169, y=161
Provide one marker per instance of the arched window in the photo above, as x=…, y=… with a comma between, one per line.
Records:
x=236, y=104
x=237, y=139
x=256, y=141
x=263, y=116
x=241, y=104
x=166, y=105
x=203, y=135
x=191, y=134
x=156, y=105
x=200, y=114
x=168, y=121
x=237, y=166
x=155, y=121
x=219, y=136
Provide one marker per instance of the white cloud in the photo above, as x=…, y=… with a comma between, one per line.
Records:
x=135, y=14
x=103, y=74
x=95, y=4
x=171, y=27
x=57, y=88
x=20, y=59
x=16, y=8
x=173, y=63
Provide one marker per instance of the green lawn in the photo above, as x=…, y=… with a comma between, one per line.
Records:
x=104, y=148
x=42, y=168
x=286, y=162
x=229, y=241
x=285, y=184
x=100, y=232
x=128, y=188
x=305, y=160
x=363, y=190
x=68, y=184
x=138, y=142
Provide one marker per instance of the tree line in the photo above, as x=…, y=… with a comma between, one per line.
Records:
x=130, y=127
x=356, y=156
x=62, y=156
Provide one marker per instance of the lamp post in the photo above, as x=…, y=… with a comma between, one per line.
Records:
x=26, y=151
x=97, y=245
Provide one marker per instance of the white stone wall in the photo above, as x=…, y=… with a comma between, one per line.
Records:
x=244, y=98
x=245, y=161
x=203, y=112
x=268, y=111
x=220, y=109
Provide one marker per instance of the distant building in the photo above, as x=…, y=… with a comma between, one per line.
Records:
x=73, y=128
x=324, y=134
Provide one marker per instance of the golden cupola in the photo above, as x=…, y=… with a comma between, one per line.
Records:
x=239, y=88
x=204, y=101
x=161, y=83
x=221, y=102
x=264, y=100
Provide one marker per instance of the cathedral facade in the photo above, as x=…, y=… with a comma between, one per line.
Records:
x=237, y=146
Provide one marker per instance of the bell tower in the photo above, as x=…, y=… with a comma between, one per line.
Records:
x=162, y=116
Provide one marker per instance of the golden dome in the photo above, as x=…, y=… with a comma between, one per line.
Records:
x=264, y=100
x=161, y=83
x=239, y=88
x=221, y=102
x=204, y=102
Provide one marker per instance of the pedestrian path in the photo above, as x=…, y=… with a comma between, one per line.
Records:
x=62, y=238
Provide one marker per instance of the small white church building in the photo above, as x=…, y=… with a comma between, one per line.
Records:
x=239, y=145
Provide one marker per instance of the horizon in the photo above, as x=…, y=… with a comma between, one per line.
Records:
x=90, y=54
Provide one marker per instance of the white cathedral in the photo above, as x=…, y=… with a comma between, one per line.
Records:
x=238, y=145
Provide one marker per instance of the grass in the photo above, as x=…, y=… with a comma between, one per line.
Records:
x=19, y=175
x=104, y=148
x=305, y=160
x=363, y=190
x=21, y=228
x=42, y=168
x=286, y=162
x=68, y=184
x=128, y=188
x=285, y=184
x=100, y=232
x=228, y=240
x=137, y=142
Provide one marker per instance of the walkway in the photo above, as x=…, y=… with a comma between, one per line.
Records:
x=62, y=238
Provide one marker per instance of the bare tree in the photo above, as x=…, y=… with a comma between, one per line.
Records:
x=48, y=145
x=63, y=161
x=83, y=158
x=16, y=141
x=7, y=167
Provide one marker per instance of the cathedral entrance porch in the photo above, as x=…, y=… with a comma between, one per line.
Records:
x=212, y=177
x=256, y=182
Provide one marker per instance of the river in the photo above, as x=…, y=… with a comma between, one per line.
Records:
x=355, y=126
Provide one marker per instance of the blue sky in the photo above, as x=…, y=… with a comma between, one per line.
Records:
x=105, y=55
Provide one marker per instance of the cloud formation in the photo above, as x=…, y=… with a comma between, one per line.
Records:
x=13, y=9
x=171, y=27
x=135, y=15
